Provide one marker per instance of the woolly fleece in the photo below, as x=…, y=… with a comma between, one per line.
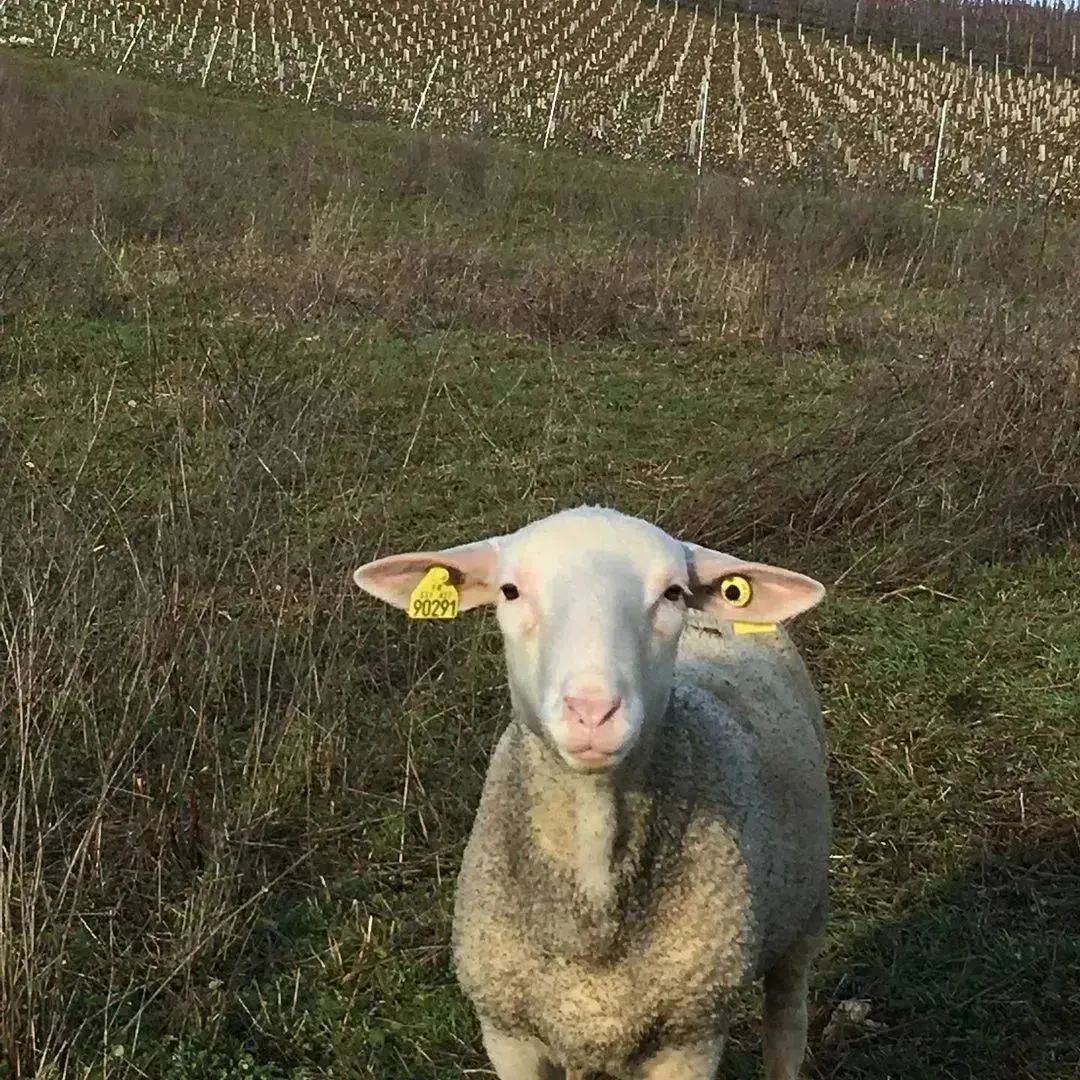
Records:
x=718, y=861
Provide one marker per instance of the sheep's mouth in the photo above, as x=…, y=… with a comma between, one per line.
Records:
x=591, y=759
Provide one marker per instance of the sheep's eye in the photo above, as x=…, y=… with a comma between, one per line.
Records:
x=510, y=592
x=674, y=593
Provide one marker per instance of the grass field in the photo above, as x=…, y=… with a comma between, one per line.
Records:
x=244, y=349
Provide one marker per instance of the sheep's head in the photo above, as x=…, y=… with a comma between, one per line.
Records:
x=591, y=604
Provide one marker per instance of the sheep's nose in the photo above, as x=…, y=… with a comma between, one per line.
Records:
x=590, y=711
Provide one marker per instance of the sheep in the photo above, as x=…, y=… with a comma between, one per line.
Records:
x=654, y=827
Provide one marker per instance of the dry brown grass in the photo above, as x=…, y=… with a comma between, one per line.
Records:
x=242, y=350
x=967, y=451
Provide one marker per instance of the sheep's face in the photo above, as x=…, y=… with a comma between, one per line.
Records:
x=591, y=604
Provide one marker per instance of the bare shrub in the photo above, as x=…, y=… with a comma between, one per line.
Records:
x=969, y=451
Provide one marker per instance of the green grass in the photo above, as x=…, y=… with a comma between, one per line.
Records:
x=234, y=794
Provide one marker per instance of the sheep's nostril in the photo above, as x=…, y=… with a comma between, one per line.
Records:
x=591, y=712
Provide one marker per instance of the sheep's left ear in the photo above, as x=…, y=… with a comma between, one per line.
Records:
x=730, y=588
x=472, y=569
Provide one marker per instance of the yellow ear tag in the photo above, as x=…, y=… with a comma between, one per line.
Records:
x=434, y=597
x=737, y=591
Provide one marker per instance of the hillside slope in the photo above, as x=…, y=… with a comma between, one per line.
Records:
x=660, y=83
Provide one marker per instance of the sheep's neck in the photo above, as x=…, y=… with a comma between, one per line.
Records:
x=595, y=823
x=580, y=821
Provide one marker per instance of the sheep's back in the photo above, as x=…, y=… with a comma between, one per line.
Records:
x=760, y=681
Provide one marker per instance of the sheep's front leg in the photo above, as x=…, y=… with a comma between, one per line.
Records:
x=697, y=1062
x=517, y=1059
x=785, y=1011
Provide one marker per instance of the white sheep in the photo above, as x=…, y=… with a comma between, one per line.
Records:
x=654, y=826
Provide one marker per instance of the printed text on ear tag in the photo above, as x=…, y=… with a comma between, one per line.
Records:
x=753, y=627
x=434, y=597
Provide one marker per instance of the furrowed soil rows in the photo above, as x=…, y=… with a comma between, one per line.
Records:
x=633, y=79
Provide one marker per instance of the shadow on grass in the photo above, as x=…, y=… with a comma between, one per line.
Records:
x=981, y=979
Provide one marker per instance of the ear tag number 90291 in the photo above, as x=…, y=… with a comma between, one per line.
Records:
x=434, y=597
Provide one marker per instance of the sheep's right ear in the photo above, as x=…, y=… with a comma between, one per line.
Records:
x=472, y=568
x=762, y=593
